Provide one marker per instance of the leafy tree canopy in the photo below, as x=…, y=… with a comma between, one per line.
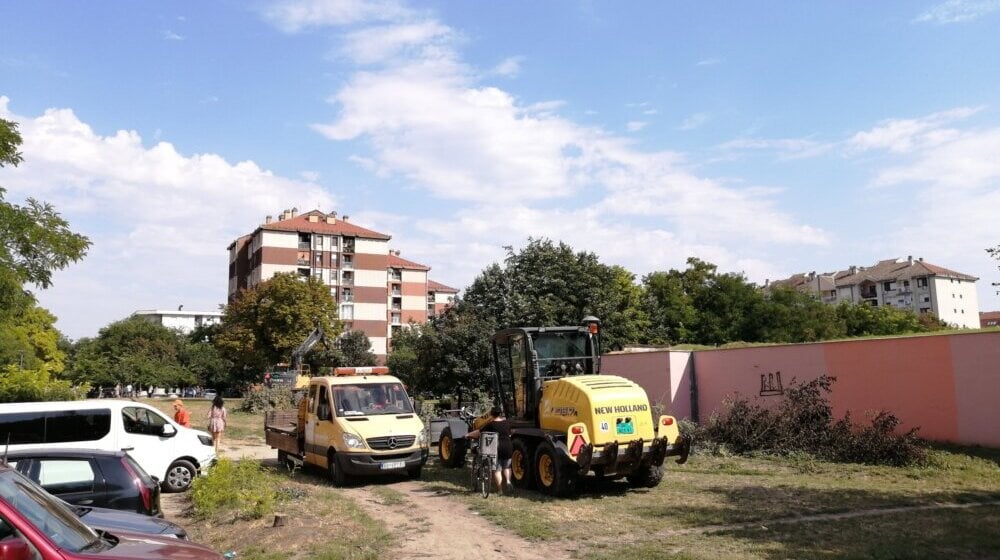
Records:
x=29, y=340
x=138, y=352
x=546, y=283
x=34, y=240
x=264, y=324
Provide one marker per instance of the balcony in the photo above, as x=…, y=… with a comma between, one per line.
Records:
x=397, y=307
x=395, y=277
x=347, y=298
x=302, y=262
x=347, y=264
x=304, y=246
x=430, y=299
x=396, y=293
x=347, y=282
x=348, y=247
x=396, y=319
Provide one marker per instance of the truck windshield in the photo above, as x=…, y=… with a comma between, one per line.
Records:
x=46, y=513
x=562, y=353
x=370, y=399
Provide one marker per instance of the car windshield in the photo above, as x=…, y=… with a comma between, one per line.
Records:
x=49, y=515
x=371, y=399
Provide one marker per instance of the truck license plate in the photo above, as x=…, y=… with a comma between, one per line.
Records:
x=393, y=465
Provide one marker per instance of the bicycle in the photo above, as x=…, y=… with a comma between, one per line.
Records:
x=483, y=463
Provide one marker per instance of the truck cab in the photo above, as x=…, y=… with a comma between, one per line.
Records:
x=357, y=422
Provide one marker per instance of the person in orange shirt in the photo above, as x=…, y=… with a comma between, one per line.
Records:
x=181, y=414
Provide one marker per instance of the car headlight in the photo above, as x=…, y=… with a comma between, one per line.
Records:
x=422, y=438
x=353, y=441
x=205, y=440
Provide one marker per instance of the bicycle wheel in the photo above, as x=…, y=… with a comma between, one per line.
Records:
x=474, y=475
x=484, y=478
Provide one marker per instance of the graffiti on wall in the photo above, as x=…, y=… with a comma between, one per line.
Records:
x=770, y=384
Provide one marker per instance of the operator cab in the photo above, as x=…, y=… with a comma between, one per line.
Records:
x=525, y=357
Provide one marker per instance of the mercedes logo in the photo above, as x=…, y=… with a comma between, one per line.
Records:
x=392, y=442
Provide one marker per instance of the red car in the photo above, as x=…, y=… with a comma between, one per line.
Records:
x=36, y=526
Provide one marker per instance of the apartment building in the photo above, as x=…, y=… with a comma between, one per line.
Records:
x=901, y=283
x=439, y=298
x=376, y=289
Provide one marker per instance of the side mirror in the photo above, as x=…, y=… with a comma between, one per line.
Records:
x=16, y=548
x=168, y=430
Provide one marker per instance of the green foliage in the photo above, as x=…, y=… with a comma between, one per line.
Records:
x=34, y=239
x=804, y=423
x=139, y=352
x=549, y=284
x=448, y=356
x=235, y=490
x=263, y=325
x=354, y=349
x=259, y=398
x=28, y=338
x=33, y=385
x=865, y=320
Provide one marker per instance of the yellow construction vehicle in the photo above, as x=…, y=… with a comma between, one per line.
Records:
x=568, y=420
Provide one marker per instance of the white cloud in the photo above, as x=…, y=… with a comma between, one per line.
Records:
x=160, y=220
x=635, y=126
x=786, y=148
x=708, y=62
x=516, y=168
x=694, y=121
x=948, y=188
x=382, y=43
x=958, y=11
x=172, y=36
x=296, y=15
x=906, y=135
x=509, y=67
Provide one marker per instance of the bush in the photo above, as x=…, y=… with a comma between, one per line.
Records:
x=804, y=423
x=243, y=488
x=32, y=385
x=261, y=399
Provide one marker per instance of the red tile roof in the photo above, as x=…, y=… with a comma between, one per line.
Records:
x=395, y=261
x=339, y=227
x=433, y=286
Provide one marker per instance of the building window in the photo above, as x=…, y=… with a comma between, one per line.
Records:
x=304, y=273
x=921, y=282
x=887, y=286
x=906, y=283
x=925, y=309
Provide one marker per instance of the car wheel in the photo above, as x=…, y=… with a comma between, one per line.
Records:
x=180, y=475
x=336, y=474
x=551, y=474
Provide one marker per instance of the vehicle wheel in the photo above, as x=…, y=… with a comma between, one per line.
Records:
x=645, y=476
x=282, y=458
x=336, y=474
x=179, y=476
x=520, y=465
x=414, y=472
x=484, y=479
x=451, y=451
x=552, y=475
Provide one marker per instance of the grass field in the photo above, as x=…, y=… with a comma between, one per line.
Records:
x=241, y=426
x=611, y=520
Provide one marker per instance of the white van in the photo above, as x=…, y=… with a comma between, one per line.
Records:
x=166, y=450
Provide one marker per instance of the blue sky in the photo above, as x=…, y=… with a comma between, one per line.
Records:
x=768, y=138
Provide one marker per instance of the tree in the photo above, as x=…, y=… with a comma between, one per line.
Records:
x=264, y=324
x=549, y=284
x=132, y=351
x=790, y=315
x=448, y=356
x=29, y=340
x=355, y=349
x=866, y=320
x=34, y=239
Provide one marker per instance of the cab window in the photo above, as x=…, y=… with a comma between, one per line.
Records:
x=142, y=421
x=323, y=406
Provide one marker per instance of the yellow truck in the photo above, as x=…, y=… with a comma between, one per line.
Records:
x=567, y=420
x=357, y=422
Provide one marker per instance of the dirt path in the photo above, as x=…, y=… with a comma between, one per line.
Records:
x=429, y=524
x=432, y=525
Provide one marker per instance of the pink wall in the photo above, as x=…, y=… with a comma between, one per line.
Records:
x=948, y=386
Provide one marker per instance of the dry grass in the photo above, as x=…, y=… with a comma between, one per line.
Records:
x=321, y=523
x=242, y=426
x=611, y=520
